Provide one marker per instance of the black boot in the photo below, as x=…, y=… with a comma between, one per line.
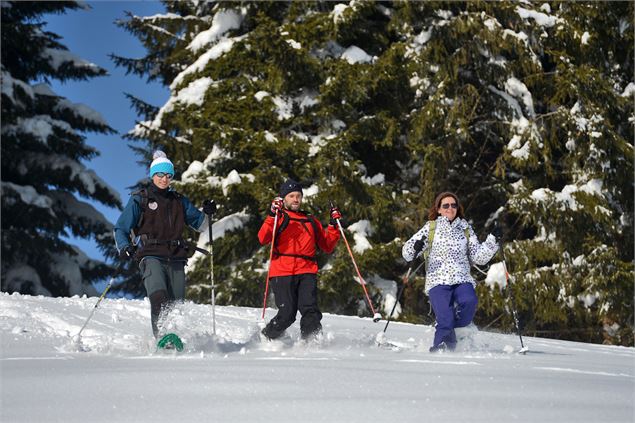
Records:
x=308, y=333
x=158, y=301
x=272, y=330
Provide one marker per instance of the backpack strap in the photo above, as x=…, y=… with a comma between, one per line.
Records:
x=285, y=222
x=426, y=252
x=143, y=193
x=314, y=223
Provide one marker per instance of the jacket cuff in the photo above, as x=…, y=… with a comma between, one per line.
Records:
x=204, y=224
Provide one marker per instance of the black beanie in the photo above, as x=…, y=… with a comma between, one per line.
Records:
x=290, y=186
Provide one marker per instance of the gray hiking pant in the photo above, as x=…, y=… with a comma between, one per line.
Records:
x=164, y=281
x=165, y=275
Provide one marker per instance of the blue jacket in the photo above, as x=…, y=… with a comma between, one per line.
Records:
x=131, y=214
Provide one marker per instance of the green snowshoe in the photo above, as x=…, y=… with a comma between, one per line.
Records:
x=169, y=342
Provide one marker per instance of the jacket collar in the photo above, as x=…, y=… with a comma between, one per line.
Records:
x=160, y=192
x=457, y=222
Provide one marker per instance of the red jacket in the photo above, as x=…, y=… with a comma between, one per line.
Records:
x=296, y=244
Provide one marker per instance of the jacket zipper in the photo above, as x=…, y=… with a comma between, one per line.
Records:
x=169, y=214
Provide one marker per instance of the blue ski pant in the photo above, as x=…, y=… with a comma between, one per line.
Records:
x=454, y=307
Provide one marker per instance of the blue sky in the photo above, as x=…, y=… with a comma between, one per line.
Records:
x=92, y=35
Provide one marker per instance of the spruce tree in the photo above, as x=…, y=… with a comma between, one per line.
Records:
x=525, y=114
x=572, y=208
x=44, y=180
x=520, y=109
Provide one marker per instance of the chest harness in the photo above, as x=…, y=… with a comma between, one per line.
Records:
x=303, y=221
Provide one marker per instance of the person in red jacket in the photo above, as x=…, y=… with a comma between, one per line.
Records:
x=293, y=268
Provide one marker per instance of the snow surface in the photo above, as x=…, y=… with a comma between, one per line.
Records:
x=540, y=18
x=40, y=126
x=496, y=275
x=8, y=83
x=21, y=274
x=284, y=107
x=235, y=377
x=311, y=191
x=56, y=58
x=361, y=230
x=390, y=291
x=220, y=227
x=223, y=21
x=378, y=179
x=338, y=12
x=221, y=47
x=566, y=198
x=27, y=194
x=294, y=44
x=584, y=40
x=232, y=178
x=354, y=54
x=518, y=89
x=82, y=111
x=629, y=90
x=196, y=167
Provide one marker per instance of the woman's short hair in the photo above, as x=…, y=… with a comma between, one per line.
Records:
x=433, y=212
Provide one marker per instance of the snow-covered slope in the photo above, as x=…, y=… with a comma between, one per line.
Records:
x=234, y=377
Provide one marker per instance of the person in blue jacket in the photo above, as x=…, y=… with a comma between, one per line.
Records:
x=150, y=230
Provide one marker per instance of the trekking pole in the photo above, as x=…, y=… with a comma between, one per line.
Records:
x=77, y=338
x=523, y=349
x=376, y=316
x=405, y=280
x=273, y=240
x=211, y=265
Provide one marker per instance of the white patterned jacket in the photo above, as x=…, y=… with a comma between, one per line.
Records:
x=448, y=262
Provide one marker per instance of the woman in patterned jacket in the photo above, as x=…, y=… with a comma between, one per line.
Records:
x=454, y=248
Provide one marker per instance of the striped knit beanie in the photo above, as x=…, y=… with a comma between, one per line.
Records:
x=161, y=163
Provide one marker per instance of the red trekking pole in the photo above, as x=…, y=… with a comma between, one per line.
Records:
x=273, y=240
x=376, y=316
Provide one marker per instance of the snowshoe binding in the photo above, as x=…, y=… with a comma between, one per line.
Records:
x=171, y=341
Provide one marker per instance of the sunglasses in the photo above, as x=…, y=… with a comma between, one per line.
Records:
x=448, y=205
x=163, y=174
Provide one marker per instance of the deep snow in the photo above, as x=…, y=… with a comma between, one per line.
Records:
x=235, y=377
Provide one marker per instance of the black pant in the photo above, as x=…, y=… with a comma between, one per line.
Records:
x=293, y=293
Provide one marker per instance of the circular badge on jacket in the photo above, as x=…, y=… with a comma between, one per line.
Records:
x=153, y=205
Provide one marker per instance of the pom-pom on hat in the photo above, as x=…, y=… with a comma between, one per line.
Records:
x=161, y=163
x=290, y=186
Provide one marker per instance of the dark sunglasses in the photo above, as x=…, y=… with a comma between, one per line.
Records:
x=163, y=174
x=448, y=205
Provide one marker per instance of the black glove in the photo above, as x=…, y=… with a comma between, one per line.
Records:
x=209, y=207
x=127, y=253
x=497, y=232
x=418, y=246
